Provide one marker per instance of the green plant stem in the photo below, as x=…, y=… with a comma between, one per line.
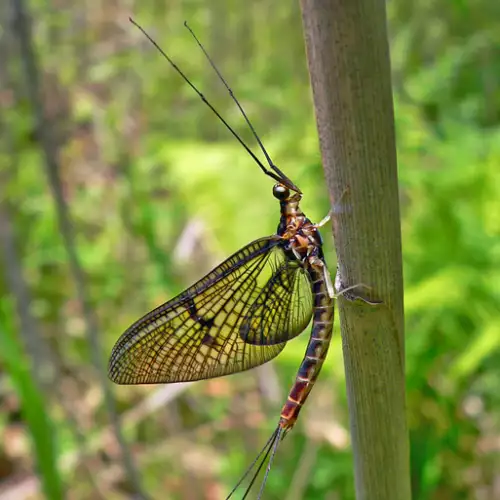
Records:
x=348, y=59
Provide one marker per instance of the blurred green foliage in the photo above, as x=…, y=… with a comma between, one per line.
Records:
x=34, y=412
x=159, y=192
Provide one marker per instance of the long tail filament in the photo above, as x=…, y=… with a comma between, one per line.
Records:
x=269, y=450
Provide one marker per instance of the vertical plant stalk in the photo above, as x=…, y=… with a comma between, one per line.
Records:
x=348, y=57
x=29, y=375
x=43, y=365
x=44, y=134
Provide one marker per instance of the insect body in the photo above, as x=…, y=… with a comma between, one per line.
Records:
x=242, y=313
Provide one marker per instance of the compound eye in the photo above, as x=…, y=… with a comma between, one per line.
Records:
x=281, y=192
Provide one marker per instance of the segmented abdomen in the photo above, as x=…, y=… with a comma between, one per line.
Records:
x=316, y=351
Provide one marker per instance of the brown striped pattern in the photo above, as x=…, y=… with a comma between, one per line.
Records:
x=316, y=351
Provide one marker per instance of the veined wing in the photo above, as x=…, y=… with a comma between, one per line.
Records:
x=197, y=334
x=282, y=309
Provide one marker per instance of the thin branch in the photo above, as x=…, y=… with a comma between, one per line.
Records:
x=34, y=345
x=32, y=76
x=45, y=368
x=302, y=474
x=349, y=65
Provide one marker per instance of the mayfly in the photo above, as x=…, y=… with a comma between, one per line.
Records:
x=242, y=313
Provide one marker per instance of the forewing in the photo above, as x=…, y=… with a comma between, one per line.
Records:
x=283, y=307
x=197, y=334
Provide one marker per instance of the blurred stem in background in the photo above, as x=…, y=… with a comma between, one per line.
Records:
x=44, y=134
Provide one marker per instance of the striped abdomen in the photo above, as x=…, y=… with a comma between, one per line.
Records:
x=316, y=351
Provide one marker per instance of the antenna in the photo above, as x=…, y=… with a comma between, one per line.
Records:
x=240, y=107
x=278, y=176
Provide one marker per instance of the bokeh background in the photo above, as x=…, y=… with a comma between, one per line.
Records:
x=139, y=190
